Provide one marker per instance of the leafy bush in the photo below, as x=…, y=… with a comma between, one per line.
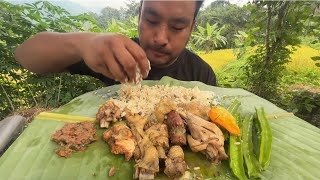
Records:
x=303, y=101
x=21, y=88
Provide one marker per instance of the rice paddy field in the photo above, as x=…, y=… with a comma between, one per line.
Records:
x=301, y=68
x=300, y=59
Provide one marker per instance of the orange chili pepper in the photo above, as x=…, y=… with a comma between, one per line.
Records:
x=224, y=118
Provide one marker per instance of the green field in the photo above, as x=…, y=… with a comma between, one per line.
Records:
x=300, y=70
x=300, y=59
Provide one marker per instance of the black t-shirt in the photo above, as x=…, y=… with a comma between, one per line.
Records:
x=188, y=67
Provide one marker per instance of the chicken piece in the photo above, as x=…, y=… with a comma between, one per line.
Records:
x=163, y=108
x=176, y=127
x=158, y=135
x=121, y=140
x=136, y=122
x=148, y=165
x=108, y=113
x=175, y=163
x=146, y=154
x=205, y=137
x=196, y=108
x=152, y=120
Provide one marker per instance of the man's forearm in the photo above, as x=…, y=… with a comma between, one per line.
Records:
x=50, y=52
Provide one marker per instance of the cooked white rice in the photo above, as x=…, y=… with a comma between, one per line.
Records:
x=142, y=99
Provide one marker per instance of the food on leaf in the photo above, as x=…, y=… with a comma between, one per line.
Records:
x=251, y=161
x=112, y=171
x=236, y=160
x=149, y=123
x=74, y=137
x=205, y=137
x=146, y=154
x=196, y=108
x=265, y=138
x=108, y=113
x=224, y=118
x=163, y=108
x=175, y=163
x=158, y=135
x=121, y=140
x=176, y=127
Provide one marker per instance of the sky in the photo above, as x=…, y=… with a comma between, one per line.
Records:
x=121, y=3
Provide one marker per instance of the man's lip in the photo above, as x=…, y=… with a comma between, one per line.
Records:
x=158, y=54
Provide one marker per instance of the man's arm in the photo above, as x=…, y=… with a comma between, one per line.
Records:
x=113, y=55
x=50, y=52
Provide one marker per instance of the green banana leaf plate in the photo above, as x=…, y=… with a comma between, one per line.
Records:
x=295, y=148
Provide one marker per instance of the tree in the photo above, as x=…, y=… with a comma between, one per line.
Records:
x=280, y=24
x=225, y=14
x=107, y=14
x=132, y=9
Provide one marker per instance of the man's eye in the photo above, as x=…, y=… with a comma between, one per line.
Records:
x=177, y=28
x=152, y=22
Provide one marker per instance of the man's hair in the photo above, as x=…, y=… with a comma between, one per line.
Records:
x=198, y=6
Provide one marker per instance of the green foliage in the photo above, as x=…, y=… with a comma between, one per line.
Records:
x=208, y=38
x=243, y=42
x=304, y=102
x=316, y=58
x=280, y=26
x=263, y=78
x=231, y=16
x=232, y=75
x=129, y=29
x=22, y=88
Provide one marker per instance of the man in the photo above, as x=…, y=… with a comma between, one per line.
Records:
x=164, y=30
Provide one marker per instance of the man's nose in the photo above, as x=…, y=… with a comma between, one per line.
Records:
x=161, y=36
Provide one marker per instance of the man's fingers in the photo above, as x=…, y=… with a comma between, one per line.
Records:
x=102, y=68
x=140, y=57
x=128, y=62
x=116, y=69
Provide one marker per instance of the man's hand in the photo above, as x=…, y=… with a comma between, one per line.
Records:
x=115, y=56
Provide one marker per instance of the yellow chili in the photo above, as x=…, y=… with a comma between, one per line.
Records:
x=224, y=118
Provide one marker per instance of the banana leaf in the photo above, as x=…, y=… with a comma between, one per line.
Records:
x=295, y=148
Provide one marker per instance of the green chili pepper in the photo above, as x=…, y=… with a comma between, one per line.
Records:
x=265, y=140
x=235, y=148
x=234, y=107
x=251, y=161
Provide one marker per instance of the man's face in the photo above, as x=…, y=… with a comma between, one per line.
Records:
x=164, y=29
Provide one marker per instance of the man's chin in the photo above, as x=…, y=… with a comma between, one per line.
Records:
x=160, y=62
